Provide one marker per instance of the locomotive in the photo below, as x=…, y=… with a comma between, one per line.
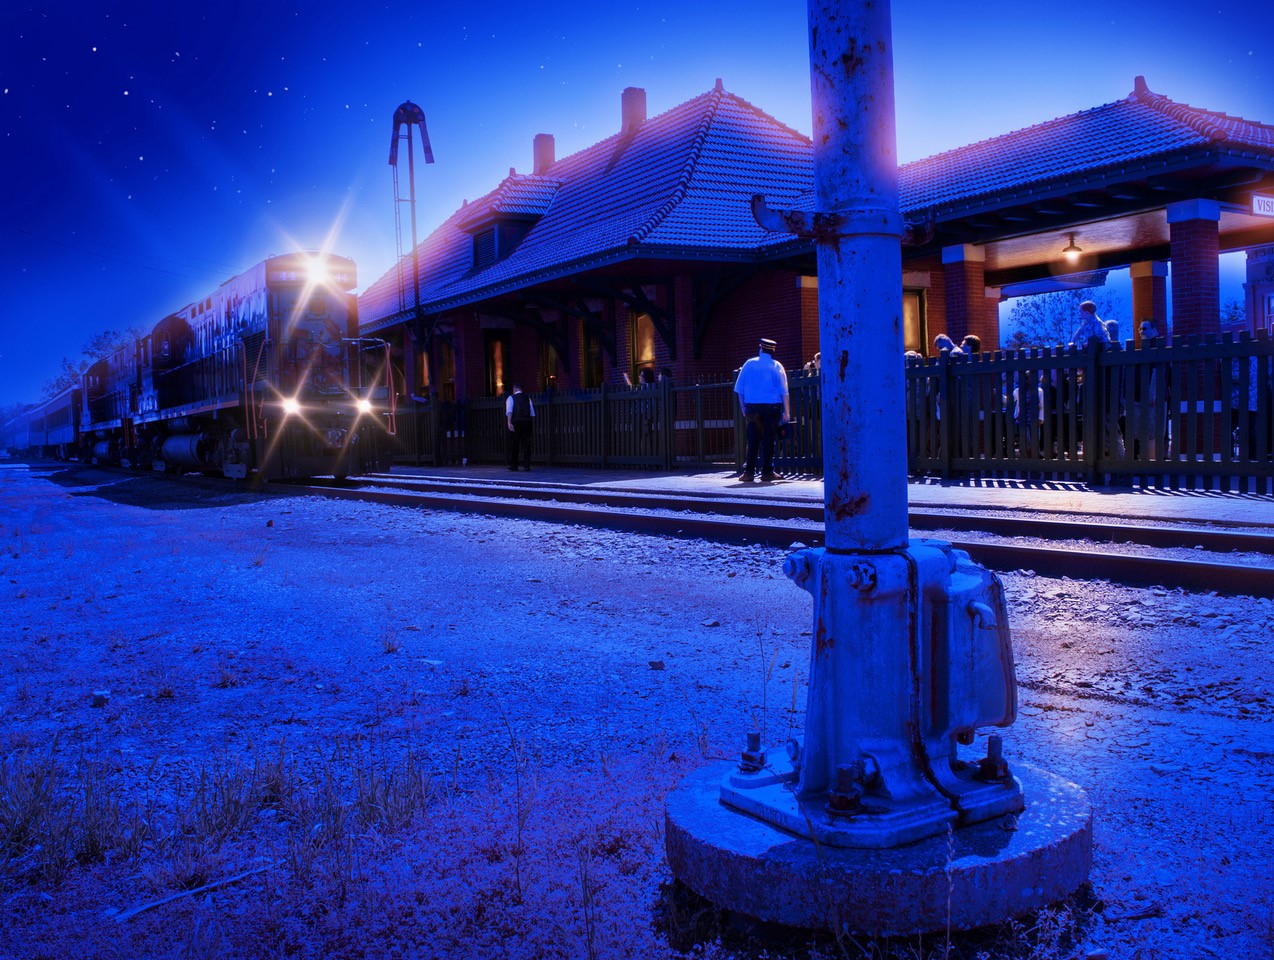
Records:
x=264, y=376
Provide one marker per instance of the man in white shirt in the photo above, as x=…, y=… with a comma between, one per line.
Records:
x=762, y=390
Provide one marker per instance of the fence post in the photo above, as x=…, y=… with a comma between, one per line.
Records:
x=700, y=438
x=605, y=418
x=946, y=412
x=548, y=404
x=1091, y=432
x=433, y=424
x=462, y=427
x=668, y=424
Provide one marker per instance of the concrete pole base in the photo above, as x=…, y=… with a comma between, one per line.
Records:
x=979, y=875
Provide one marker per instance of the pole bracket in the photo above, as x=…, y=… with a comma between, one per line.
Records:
x=824, y=227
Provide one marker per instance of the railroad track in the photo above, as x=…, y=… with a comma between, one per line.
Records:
x=1067, y=550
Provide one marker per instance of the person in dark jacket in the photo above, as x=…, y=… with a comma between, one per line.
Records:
x=519, y=413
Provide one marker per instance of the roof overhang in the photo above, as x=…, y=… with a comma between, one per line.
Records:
x=629, y=255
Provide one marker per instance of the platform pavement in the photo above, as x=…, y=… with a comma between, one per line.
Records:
x=1062, y=497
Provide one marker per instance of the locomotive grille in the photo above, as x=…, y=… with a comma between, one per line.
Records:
x=251, y=350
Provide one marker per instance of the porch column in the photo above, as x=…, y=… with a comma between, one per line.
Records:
x=1196, y=282
x=411, y=365
x=964, y=269
x=1149, y=296
x=990, y=333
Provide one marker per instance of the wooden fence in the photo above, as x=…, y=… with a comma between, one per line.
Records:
x=1196, y=413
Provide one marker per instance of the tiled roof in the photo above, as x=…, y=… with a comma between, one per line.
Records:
x=1141, y=127
x=517, y=196
x=679, y=185
x=681, y=181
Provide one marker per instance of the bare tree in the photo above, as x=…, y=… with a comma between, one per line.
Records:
x=1233, y=314
x=1049, y=319
x=95, y=348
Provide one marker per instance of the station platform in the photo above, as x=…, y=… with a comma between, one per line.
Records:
x=1236, y=510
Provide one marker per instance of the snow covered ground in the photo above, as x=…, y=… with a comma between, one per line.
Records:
x=403, y=733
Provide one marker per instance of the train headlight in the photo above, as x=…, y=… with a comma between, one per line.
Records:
x=316, y=270
x=364, y=406
x=291, y=407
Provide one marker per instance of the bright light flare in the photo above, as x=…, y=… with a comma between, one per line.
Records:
x=1072, y=251
x=290, y=407
x=316, y=272
x=364, y=406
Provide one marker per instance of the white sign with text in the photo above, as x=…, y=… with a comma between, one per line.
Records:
x=1262, y=206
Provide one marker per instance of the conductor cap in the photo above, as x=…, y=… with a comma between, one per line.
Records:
x=769, y=346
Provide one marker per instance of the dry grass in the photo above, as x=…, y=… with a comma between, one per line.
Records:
x=363, y=847
x=389, y=641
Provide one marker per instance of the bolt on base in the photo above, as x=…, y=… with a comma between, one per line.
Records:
x=911, y=654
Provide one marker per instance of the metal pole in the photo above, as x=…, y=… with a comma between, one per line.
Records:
x=859, y=276
x=910, y=650
x=415, y=259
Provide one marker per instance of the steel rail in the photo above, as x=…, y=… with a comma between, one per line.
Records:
x=1000, y=524
x=1194, y=575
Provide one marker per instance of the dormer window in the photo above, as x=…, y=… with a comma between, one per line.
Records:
x=496, y=240
x=484, y=248
x=500, y=222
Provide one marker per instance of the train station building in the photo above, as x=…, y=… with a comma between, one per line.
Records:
x=641, y=252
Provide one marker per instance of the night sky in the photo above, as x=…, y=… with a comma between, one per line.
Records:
x=151, y=151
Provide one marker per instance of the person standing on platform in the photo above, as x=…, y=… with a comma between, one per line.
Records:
x=519, y=412
x=762, y=390
x=1091, y=327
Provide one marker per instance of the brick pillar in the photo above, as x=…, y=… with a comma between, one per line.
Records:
x=964, y=273
x=470, y=359
x=1149, y=296
x=990, y=332
x=1196, y=283
x=934, y=283
x=1196, y=305
x=807, y=290
x=411, y=364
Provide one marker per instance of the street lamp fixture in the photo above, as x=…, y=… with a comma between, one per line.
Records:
x=1071, y=251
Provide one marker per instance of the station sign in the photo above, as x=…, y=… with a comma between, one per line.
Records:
x=1262, y=206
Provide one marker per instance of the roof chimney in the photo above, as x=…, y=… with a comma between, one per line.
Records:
x=633, y=109
x=543, y=152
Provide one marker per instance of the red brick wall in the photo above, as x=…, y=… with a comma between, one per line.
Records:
x=683, y=307
x=965, y=297
x=935, y=298
x=990, y=327
x=772, y=305
x=470, y=360
x=810, y=338
x=570, y=374
x=411, y=364
x=1196, y=290
x=623, y=344
x=1149, y=299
